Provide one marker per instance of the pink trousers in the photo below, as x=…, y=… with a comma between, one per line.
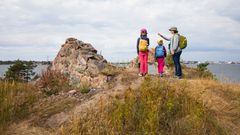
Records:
x=143, y=57
x=160, y=62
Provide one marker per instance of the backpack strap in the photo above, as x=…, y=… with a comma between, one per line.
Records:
x=179, y=36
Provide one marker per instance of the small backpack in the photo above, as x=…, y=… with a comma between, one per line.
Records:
x=159, y=51
x=182, y=42
x=143, y=45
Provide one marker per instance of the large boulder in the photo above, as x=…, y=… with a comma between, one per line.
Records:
x=78, y=60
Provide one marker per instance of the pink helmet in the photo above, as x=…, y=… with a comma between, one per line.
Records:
x=143, y=30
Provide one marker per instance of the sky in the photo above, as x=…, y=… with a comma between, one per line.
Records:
x=36, y=29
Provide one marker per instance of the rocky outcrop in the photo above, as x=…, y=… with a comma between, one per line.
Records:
x=79, y=60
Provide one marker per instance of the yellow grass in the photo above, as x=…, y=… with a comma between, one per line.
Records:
x=15, y=101
x=168, y=107
x=192, y=106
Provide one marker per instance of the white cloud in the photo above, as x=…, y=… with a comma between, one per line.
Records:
x=28, y=27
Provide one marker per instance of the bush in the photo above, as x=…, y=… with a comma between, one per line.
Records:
x=203, y=72
x=52, y=82
x=202, y=67
x=16, y=99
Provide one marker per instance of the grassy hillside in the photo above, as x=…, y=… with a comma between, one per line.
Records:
x=163, y=106
x=196, y=105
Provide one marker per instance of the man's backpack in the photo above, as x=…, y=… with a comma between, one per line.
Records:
x=182, y=42
x=143, y=45
x=159, y=51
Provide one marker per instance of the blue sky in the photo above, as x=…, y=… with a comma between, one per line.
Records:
x=36, y=29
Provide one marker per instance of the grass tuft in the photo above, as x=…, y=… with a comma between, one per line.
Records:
x=85, y=87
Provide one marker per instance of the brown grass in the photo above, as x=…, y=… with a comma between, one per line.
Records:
x=52, y=82
x=84, y=87
x=157, y=107
x=197, y=106
x=194, y=73
x=47, y=107
x=111, y=70
x=221, y=98
x=16, y=100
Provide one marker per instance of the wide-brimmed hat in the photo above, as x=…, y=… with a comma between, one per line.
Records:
x=173, y=29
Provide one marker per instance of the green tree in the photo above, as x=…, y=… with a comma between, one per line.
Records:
x=202, y=67
x=203, y=71
x=20, y=71
x=28, y=72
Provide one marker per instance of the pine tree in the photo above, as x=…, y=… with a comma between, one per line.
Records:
x=28, y=72
x=20, y=71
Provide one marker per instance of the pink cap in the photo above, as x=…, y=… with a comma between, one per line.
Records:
x=143, y=30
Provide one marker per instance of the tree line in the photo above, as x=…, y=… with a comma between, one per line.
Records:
x=14, y=61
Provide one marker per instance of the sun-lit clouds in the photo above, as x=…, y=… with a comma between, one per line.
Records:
x=33, y=29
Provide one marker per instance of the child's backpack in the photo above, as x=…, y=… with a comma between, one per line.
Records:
x=159, y=51
x=143, y=45
x=182, y=42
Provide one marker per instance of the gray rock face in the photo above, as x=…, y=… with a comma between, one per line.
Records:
x=77, y=59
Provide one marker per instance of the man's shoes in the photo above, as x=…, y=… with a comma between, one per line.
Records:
x=178, y=77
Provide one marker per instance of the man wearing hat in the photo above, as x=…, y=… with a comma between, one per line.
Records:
x=175, y=50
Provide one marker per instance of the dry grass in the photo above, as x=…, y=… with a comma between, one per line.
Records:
x=221, y=98
x=25, y=129
x=111, y=70
x=47, y=107
x=16, y=100
x=195, y=73
x=128, y=76
x=19, y=100
x=157, y=107
x=52, y=82
x=199, y=106
x=84, y=87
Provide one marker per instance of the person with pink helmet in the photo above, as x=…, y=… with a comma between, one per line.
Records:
x=142, y=51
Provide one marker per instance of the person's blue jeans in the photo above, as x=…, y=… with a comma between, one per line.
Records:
x=176, y=61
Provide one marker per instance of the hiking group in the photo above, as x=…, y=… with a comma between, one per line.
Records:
x=177, y=44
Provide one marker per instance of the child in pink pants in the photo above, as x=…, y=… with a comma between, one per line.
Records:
x=160, y=54
x=143, y=54
x=143, y=57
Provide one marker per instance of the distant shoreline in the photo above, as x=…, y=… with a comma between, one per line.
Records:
x=184, y=62
x=36, y=62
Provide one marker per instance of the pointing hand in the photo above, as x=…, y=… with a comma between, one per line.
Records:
x=159, y=34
